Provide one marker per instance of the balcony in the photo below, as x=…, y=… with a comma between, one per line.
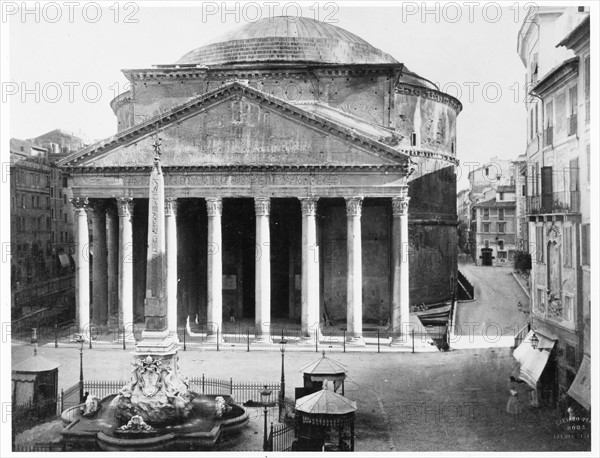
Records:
x=549, y=136
x=556, y=202
x=573, y=125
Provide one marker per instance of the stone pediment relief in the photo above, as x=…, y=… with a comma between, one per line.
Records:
x=239, y=127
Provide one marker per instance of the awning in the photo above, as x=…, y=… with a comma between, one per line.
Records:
x=582, y=385
x=64, y=260
x=532, y=360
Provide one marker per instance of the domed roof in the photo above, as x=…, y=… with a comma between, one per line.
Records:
x=288, y=39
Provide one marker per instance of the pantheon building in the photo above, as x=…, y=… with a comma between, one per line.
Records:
x=307, y=174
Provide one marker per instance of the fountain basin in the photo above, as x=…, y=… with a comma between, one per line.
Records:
x=200, y=431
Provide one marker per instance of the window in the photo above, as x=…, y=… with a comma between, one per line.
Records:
x=524, y=190
x=51, y=191
x=572, y=125
x=486, y=213
x=540, y=305
x=548, y=137
x=413, y=139
x=586, y=76
x=65, y=217
x=501, y=228
x=64, y=199
x=502, y=254
x=61, y=236
x=567, y=309
x=487, y=171
x=568, y=246
x=501, y=244
x=32, y=202
x=53, y=237
x=486, y=227
x=47, y=223
x=585, y=244
x=47, y=202
x=539, y=244
x=53, y=214
x=486, y=243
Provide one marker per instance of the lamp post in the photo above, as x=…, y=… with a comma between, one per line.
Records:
x=80, y=340
x=535, y=341
x=282, y=343
x=265, y=393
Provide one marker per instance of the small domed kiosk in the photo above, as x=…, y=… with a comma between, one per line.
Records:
x=320, y=370
x=324, y=421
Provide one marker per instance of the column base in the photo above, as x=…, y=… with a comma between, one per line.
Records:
x=403, y=341
x=212, y=338
x=355, y=341
x=263, y=339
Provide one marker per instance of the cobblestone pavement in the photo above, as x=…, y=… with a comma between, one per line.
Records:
x=493, y=315
x=451, y=401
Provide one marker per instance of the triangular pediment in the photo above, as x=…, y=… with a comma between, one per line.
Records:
x=239, y=125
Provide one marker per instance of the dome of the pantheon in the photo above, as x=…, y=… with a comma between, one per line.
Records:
x=287, y=39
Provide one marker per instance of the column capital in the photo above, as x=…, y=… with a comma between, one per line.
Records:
x=214, y=206
x=125, y=206
x=170, y=206
x=309, y=205
x=400, y=205
x=262, y=206
x=354, y=205
x=79, y=204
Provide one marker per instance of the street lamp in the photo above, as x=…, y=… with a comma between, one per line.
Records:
x=80, y=340
x=535, y=341
x=264, y=394
x=282, y=343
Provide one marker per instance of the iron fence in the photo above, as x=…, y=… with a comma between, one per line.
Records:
x=281, y=438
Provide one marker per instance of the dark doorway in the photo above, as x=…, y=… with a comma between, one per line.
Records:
x=239, y=248
x=486, y=256
x=286, y=233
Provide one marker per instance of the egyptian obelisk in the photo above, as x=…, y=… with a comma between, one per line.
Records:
x=155, y=338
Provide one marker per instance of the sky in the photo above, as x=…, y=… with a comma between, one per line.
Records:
x=65, y=66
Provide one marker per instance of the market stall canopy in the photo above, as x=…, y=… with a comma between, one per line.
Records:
x=325, y=402
x=581, y=387
x=35, y=364
x=533, y=360
x=323, y=367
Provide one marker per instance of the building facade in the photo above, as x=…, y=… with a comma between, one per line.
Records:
x=494, y=227
x=558, y=159
x=42, y=246
x=290, y=155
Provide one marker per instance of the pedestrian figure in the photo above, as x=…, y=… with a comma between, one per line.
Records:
x=231, y=315
x=514, y=405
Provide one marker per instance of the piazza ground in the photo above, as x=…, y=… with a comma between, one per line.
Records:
x=406, y=402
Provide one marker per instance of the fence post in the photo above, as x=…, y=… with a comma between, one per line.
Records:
x=413, y=339
x=124, y=344
x=62, y=400
x=55, y=335
x=184, y=346
x=248, y=339
x=217, y=339
x=202, y=383
x=317, y=340
x=344, y=339
x=230, y=385
x=90, y=335
x=378, y=341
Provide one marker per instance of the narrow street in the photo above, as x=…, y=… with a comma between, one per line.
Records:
x=493, y=318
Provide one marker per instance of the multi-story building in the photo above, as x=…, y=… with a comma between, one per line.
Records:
x=522, y=224
x=493, y=227
x=41, y=226
x=558, y=159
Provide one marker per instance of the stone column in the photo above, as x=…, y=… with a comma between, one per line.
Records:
x=354, y=286
x=99, y=264
x=125, y=209
x=171, y=229
x=82, y=263
x=400, y=287
x=310, y=271
x=214, y=285
x=112, y=261
x=262, y=206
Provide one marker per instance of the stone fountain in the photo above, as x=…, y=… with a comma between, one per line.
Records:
x=155, y=410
